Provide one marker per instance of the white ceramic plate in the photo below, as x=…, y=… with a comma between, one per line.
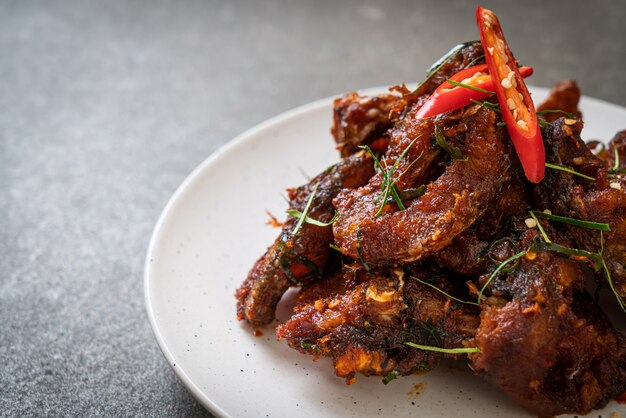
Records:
x=206, y=240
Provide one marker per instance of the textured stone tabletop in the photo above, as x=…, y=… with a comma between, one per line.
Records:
x=106, y=106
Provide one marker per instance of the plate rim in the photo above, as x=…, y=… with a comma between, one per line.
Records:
x=237, y=141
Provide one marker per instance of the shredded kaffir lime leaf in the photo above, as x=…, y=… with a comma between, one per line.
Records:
x=388, y=185
x=452, y=150
x=445, y=350
x=392, y=375
x=601, y=226
x=297, y=214
x=467, y=86
x=496, y=271
x=569, y=170
x=442, y=292
x=306, y=210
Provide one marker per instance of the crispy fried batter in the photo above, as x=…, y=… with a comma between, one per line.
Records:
x=295, y=259
x=413, y=275
x=451, y=204
x=362, y=120
x=603, y=200
x=364, y=330
x=469, y=251
x=550, y=347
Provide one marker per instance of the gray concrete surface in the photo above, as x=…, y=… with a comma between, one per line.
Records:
x=106, y=106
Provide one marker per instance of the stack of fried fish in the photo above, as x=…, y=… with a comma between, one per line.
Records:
x=475, y=261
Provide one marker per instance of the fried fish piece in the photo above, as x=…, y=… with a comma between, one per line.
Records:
x=451, y=204
x=364, y=329
x=301, y=257
x=550, y=347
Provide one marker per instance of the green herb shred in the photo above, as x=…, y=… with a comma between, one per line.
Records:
x=467, y=86
x=452, y=150
x=444, y=350
x=388, y=185
x=297, y=214
x=442, y=292
x=600, y=226
x=303, y=215
x=569, y=170
x=392, y=375
x=496, y=271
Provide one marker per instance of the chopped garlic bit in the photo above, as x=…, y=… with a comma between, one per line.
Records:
x=548, y=211
x=530, y=222
x=615, y=185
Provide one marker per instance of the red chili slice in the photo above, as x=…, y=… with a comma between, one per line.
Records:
x=518, y=110
x=449, y=97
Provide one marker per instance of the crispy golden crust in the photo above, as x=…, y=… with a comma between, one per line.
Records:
x=362, y=120
x=365, y=328
x=550, y=347
x=451, y=204
x=294, y=259
x=603, y=200
x=541, y=338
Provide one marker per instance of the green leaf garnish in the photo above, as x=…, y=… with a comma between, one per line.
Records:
x=442, y=292
x=304, y=213
x=388, y=185
x=392, y=375
x=336, y=248
x=493, y=106
x=498, y=262
x=474, y=61
x=309, y=346
x=615, y=168
x=567, y=114
x=409, y=194
x=569, y=170
x=452, y=150
x=607, y=274
x=600, y=263
x=444, y=350
x=500, y=267
x=543, y=232
x=570, y=252
x=543, y=123
x=286, y=260
x=439, y=64
x=297, y=214
x=467, y=86
x=573, y=221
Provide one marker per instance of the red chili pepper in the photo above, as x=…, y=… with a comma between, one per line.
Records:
x=449, y=97
x=518, y=110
